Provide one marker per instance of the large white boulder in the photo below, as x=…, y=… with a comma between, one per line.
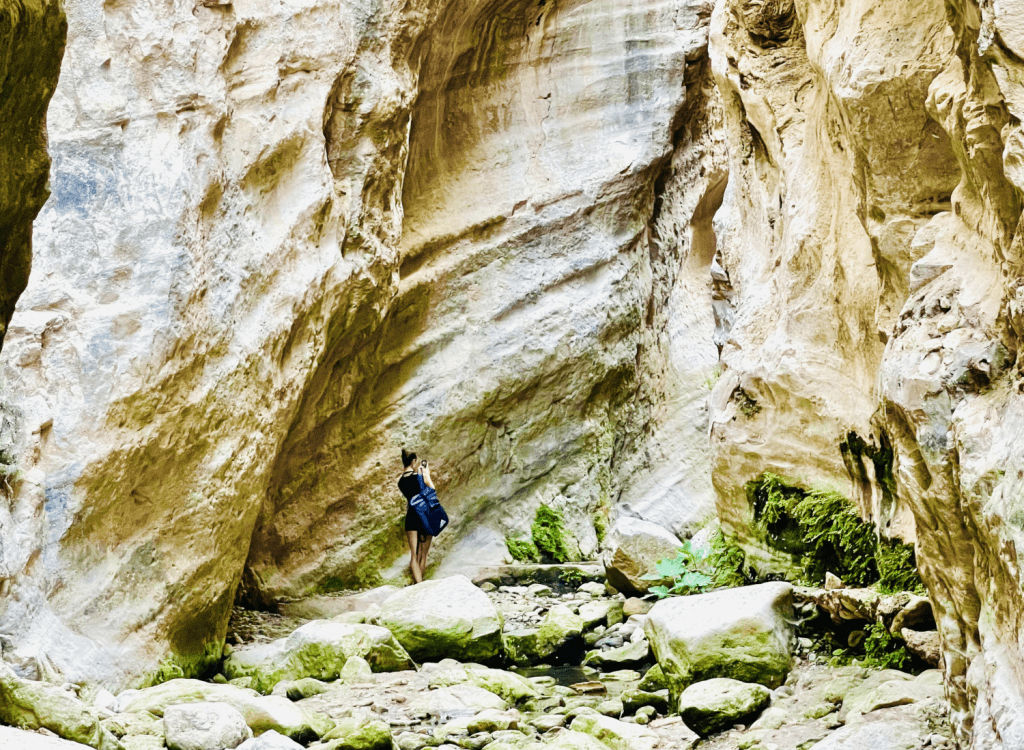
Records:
x=449, y=617
x=744, y=633
x=204, y=726
x=633, y=547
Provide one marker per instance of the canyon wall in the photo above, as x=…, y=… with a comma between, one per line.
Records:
x=287, y=240
x=32, y=38
x=589, y=254
x=872, y=247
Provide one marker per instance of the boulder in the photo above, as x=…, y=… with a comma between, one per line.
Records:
x=600, y=611
x=446, y=617
x=356, y=670
x=28, y=704
x=271, y=741
x=456, y=701
x=743, y=633
x=360, y=732
x=615, y=734
x=633, y=547
x=319, y=649
x=713, y=705
x=629, y=655
x=653, y=680
x=559, y=626
x=511, y=687
x=633, y=699
x=262, y=713
x=925, y=645
x=204, y=726
x=22, y=739
x=493, y=720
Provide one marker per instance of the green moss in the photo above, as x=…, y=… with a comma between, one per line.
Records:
x=883, y=650
x=522, y=550
x=571, y=578
x=727, y=560
x=601, y=524
x=548, y=532
x=747, y=404
x=822, y=528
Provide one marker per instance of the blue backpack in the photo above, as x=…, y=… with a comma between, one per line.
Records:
x=428, y=508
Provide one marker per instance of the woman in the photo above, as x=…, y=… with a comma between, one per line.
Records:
x=419, y=539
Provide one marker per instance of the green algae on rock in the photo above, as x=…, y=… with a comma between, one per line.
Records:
x=441, y=618
x=320, y=649
x=743, y=633
x=28, y=704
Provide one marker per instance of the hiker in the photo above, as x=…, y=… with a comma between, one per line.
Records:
x=418, y=536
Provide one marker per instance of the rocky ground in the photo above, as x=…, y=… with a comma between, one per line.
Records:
x=567, y=668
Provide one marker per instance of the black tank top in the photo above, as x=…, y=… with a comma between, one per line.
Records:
x=409, y=485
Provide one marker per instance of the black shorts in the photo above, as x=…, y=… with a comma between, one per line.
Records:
x=413, y=523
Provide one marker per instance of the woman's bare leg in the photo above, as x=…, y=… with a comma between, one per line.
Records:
x=414, y=557
x=424, y=548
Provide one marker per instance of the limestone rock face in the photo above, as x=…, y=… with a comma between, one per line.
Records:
x=286, y=241
x=31, y=46
x=875, y=162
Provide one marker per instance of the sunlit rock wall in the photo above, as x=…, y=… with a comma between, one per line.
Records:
x=31, y=45
x=870, y=234
x=286, y=240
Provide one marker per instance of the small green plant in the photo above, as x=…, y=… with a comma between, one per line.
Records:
x=686, y=571
x=522, y=550
x=571, y=578
x=883, y=650
x=548, y=532
x=896, y=569
x=694, y=570
x=711, y=380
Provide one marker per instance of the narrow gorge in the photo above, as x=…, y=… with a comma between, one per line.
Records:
x=629, y=275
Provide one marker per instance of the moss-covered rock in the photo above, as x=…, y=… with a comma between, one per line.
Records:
x=28, y=704
x=319, y=649
x=615, y=734
x=570, y=739
x=528, y=646
x=743, y=633
x=654, y=679
x=633, y=699
x=361, y=732
x=629, y=655
x=449, y=617
x=262, y=713
x=506, y=685
x=713, y=705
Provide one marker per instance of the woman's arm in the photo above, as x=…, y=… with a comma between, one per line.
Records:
x=426, y=476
